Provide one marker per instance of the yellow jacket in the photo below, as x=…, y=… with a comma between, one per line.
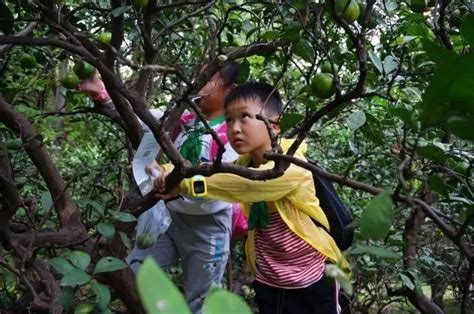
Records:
x=292, y=194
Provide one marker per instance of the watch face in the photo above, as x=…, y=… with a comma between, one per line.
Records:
x=199, y=187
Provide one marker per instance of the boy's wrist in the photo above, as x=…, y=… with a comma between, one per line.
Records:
x=102, y=96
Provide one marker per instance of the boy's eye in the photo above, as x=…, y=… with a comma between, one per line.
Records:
x=246, y=115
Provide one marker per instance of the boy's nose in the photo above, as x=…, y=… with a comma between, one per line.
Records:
x=235, y=127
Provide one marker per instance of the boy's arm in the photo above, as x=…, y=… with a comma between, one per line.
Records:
x=233, y=188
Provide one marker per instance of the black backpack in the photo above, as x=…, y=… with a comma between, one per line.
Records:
x=337, y=214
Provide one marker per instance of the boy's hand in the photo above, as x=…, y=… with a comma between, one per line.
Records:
x=92, y=85
x=95, y=87
x=160, y=187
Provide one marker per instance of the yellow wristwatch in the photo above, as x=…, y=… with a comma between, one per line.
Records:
x=199, y=187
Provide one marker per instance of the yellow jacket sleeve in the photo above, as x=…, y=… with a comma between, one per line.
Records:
x=233, y=188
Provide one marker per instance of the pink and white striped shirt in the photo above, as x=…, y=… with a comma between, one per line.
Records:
x=284, y=260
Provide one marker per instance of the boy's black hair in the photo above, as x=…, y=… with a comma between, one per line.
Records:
x=260, y=91
x=230, y=73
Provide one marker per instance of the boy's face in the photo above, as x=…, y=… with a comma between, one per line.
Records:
x=213, y=94
x=246, y=133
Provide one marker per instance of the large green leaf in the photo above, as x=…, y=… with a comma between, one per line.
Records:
x=66, y=298
x=222, y=301
x=461, y=127
x=75, y=277
x=304, y=50
x=46, y=200
x=80, y=259
x=289, y=120
x=61, y=265
x=432, y=152
x=377, y=217
x=124, y=217
x=166, y=299
x=109, y=263
x=244, y=71
x=376, y=61
x=356, y=120
x=103, y=294
x=106, y=229
x=377, y=251
x=467, y=29
x=291, y=32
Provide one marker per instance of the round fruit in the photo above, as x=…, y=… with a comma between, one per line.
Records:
x=83, y=69
x=140, y=4
x=322, y=85
x=104, y=37
x=418, y=6
x=348, y=9
x=145, y=241
x=326, y=67
x=456, y=18
x=70, y=81
x=27, y=61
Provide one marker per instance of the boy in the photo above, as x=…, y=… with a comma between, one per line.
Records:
x=200, y=230
x=286, y=251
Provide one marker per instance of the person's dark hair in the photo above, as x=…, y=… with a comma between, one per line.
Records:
x=229, y=73
x=260, y=91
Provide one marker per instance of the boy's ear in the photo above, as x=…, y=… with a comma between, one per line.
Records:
x=276, y=128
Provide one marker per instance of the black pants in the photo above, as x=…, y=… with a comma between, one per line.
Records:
x=320, y=297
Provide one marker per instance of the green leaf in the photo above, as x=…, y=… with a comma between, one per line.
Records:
x=222, y=301
x=356, y=120
x=66, y=298
x=61, y=265
x=80, y=259
x=109, y=263
x=84, y=308
x=6, y=19
x=433, y=153
x=437, y=53
x=389, y=64
x=289, y=120
x=376, y=61
x=126, y=241
x=467, y=29
x=75, y=277
x=377, y=218
x=292, y=32
x=461, y=127
x=120, y=10
x=407, y=282
x=46, y=200
x=103, y=294
x=167, y=299
x=124, y=217
x=270, y=35
x=244, y=71
x=304, y=50
x=106, y=229
x=381, y=252
x=437, y=184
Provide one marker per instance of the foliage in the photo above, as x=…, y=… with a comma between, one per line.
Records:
x=400, y=120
